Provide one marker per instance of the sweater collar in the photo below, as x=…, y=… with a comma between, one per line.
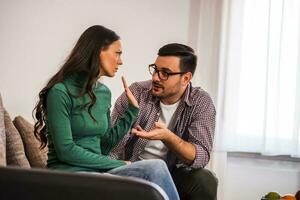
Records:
x=79, y=79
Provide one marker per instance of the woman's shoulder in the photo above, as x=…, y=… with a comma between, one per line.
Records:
x=58, y=90
x=102, y=87
x=59, y=98
x=58, y=87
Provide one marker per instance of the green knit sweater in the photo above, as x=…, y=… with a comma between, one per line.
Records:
x=75, y=141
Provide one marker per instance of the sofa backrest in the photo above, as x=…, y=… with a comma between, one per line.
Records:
x=37, y=184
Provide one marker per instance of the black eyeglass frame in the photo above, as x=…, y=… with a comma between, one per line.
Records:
x=158, y=71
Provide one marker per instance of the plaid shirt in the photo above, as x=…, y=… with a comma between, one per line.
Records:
x=193, y=121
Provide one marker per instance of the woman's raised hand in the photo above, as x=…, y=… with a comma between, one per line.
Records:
x=129, y=94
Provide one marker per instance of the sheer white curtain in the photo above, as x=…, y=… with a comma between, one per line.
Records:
x=259, y=77
x=205, y=27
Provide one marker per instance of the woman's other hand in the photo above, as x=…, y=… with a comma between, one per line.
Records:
x=127, y=162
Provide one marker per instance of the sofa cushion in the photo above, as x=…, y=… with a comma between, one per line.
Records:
x=15, y=154
x=2, y=136
x=37, y=157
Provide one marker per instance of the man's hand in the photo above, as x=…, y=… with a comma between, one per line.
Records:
x=129, y=94
x=184, y=150
x=160, y=132
x=127, y=162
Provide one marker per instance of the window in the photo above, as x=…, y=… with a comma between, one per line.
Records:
x=260, y=77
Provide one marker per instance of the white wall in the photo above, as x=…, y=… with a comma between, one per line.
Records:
x=36, y=36
x=250, y=178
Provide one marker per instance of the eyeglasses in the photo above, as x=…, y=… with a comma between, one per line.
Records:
x=162, y=73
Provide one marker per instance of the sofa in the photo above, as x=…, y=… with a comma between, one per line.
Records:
x=23, y=174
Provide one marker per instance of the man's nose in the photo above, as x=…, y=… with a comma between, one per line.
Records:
x=155, y=76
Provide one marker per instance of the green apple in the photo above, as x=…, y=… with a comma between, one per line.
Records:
x=272, y=195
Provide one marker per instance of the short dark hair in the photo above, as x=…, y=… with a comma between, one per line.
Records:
x=188, y=59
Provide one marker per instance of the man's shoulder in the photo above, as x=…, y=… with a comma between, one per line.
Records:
x=141, y=86
x=198, y=95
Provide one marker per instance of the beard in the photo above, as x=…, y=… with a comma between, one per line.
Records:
x=155, y=91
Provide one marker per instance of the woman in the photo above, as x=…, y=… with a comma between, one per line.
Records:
x=73, y=113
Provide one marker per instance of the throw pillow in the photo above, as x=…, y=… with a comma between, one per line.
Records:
x=2, y=136
x=37, y=157
x=15, y=154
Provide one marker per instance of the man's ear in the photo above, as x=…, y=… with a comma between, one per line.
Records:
x=187, y=77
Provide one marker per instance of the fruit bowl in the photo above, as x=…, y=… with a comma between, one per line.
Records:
x=277, y=196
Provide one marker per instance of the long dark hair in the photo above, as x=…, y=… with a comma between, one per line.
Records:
x=84, y=58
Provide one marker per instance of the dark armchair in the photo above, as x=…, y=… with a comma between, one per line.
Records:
x=42, y=184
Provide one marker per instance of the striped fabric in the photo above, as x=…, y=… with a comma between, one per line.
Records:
x=194, y=121
x=15, y=153
x=2, y=136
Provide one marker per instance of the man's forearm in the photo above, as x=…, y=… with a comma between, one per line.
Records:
x=183, y=149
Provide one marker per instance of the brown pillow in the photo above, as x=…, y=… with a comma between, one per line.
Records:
x=15, y=154
x=2, y=136
x=37, y=157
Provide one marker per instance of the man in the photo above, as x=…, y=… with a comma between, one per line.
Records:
x=176, y=123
